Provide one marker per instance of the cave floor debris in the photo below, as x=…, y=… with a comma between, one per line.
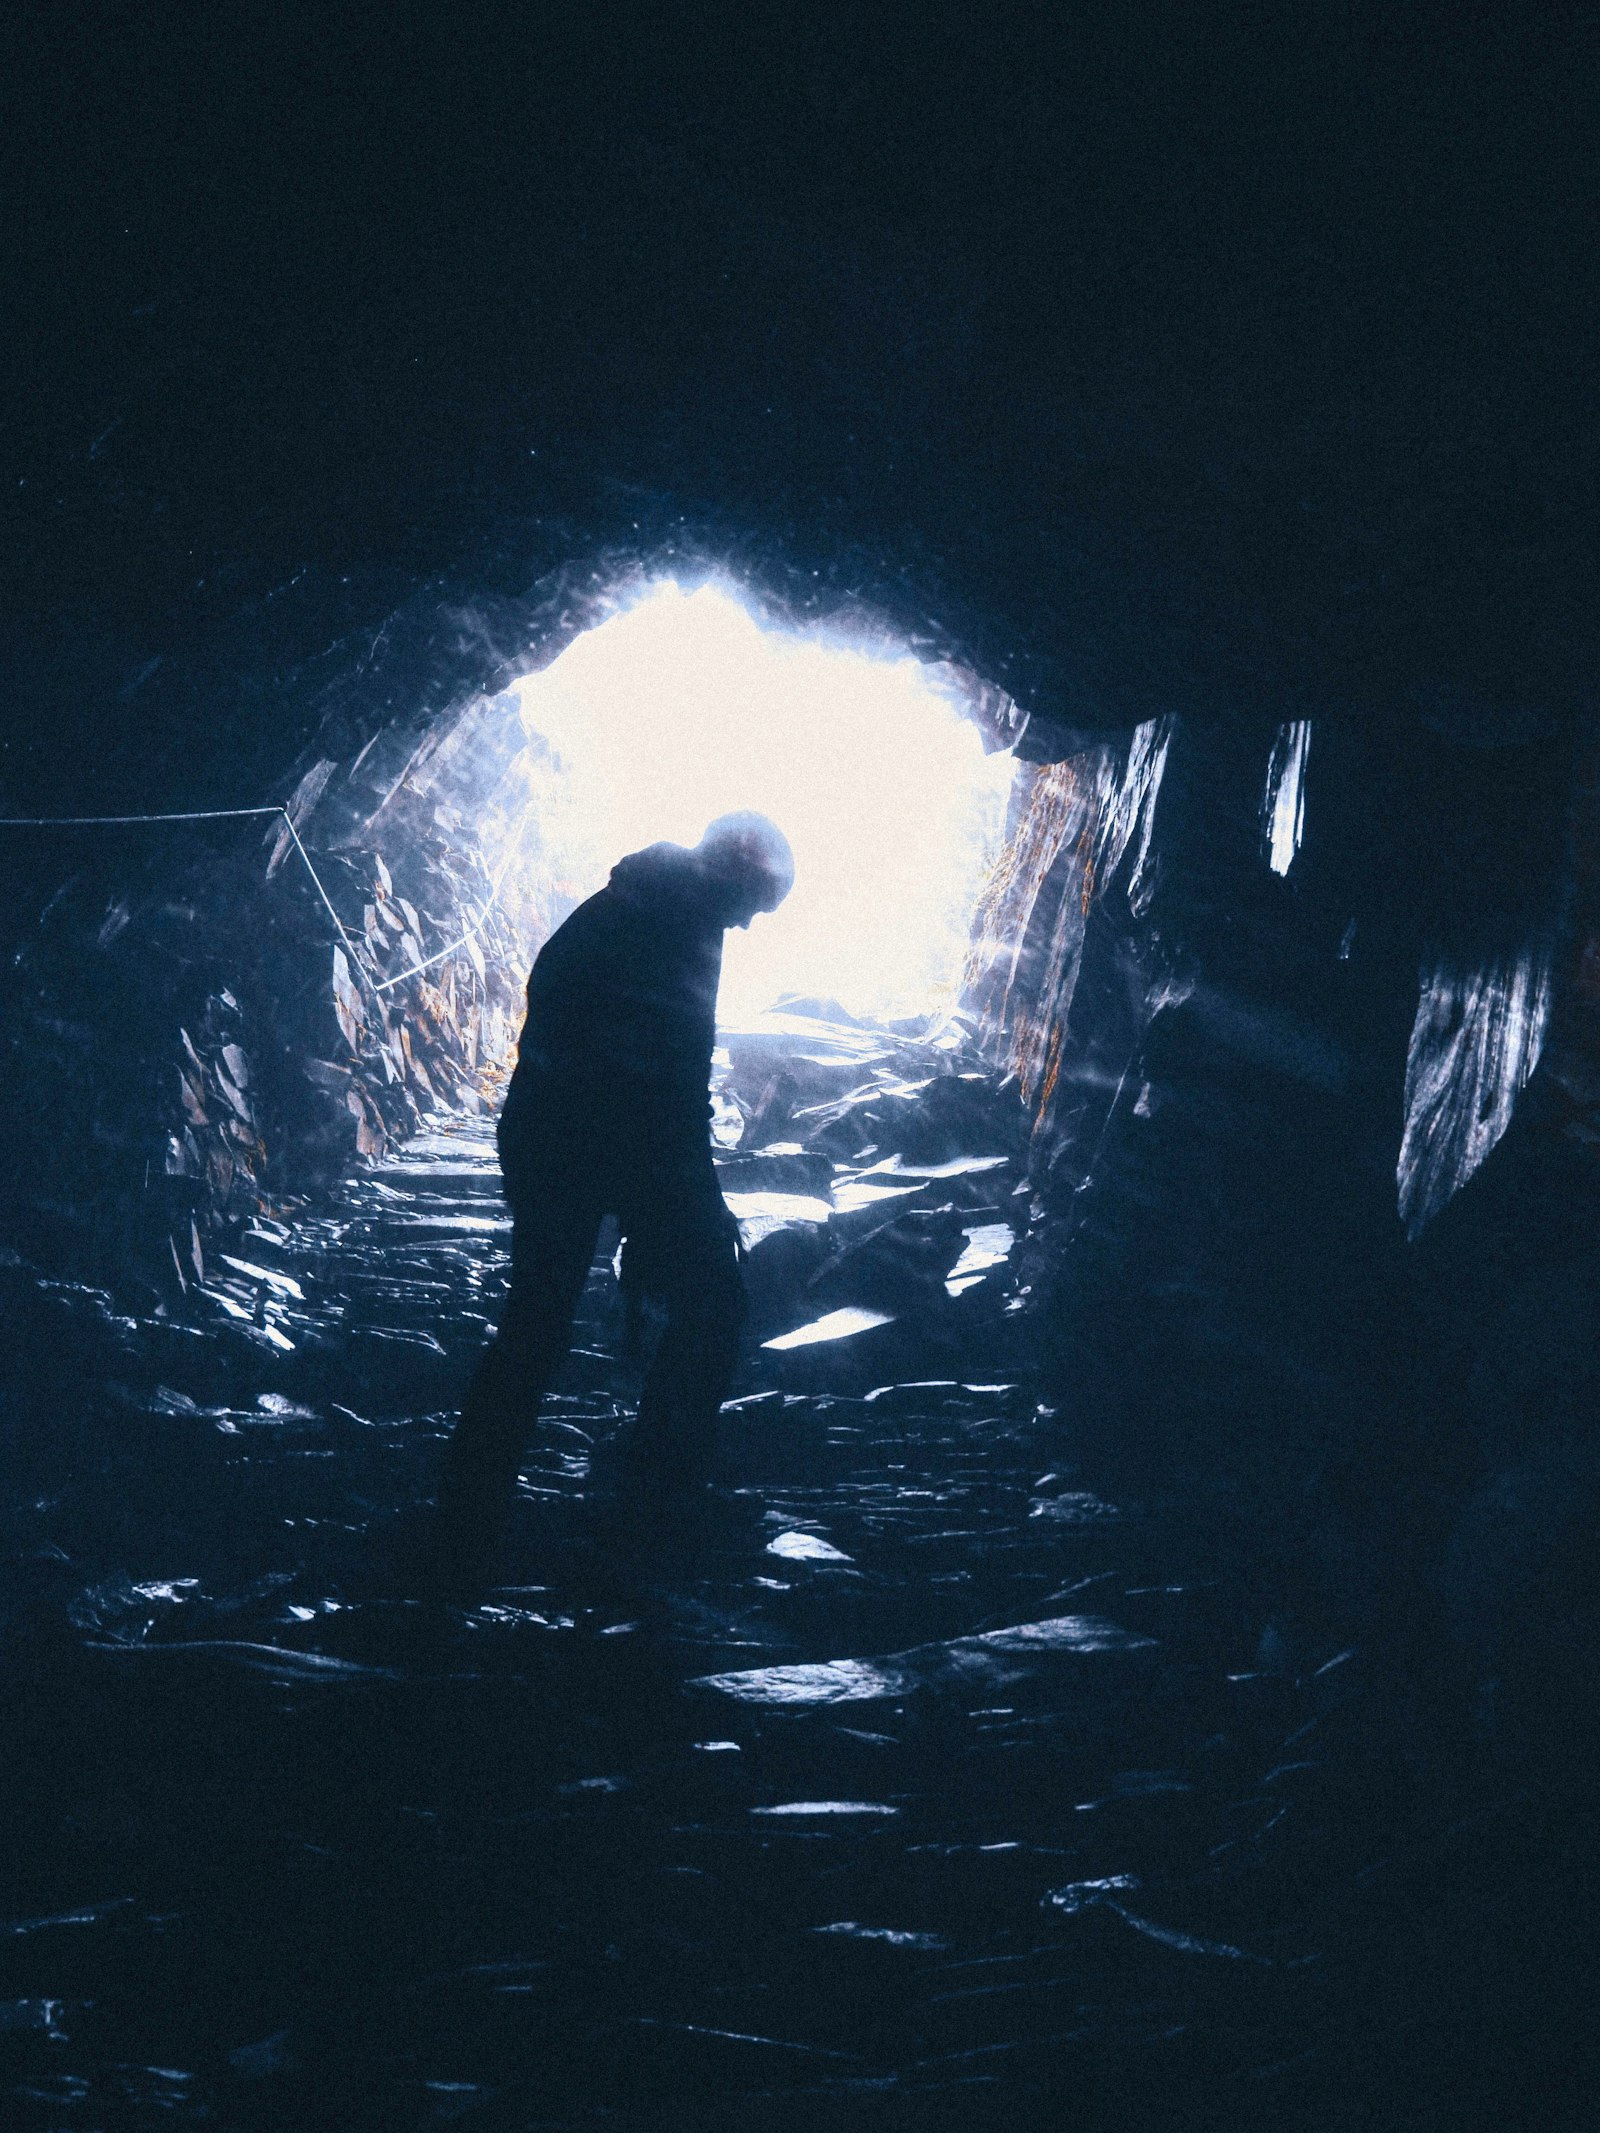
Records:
x=907, y=1783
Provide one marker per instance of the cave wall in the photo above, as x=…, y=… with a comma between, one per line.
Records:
x=204, y=1020
x=1240, y=1299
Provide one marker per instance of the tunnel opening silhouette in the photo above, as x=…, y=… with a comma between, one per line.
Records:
x=686, y=702
x=854, y=1115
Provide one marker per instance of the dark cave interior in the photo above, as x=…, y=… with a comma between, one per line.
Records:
x=1137, y=1663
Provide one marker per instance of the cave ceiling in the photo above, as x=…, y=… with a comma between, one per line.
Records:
x=1233, y=363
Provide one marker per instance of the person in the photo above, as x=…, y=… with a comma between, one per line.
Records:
x=608, y=1112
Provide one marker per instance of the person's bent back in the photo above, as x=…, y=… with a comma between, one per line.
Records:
x=621, y=1018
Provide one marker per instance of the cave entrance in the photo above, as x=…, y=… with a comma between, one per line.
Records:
x=871, y=1154
x=686, y=703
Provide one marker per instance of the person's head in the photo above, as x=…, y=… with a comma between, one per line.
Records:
x=748, y=860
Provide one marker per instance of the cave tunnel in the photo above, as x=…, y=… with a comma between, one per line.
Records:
x=1121, y=502
x=1117, y=1152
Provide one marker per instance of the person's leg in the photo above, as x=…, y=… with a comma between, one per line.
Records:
x=552, y=1242
x=690, y=1244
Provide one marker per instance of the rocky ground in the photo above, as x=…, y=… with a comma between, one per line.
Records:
x=907, y=1783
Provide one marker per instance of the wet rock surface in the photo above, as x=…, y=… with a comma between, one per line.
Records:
x=906, y=1782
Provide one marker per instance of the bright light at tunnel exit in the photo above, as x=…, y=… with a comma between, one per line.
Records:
x=683, y=707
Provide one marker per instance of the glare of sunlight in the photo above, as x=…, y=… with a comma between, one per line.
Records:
x=683, y=706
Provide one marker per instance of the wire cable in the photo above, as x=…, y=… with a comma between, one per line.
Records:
x=383, y=985
x=205, y=814
x=376, y=986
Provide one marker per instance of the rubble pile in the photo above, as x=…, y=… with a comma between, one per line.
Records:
x=877, y=1174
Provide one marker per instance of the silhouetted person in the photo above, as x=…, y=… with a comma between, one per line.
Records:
x=609, y=1112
